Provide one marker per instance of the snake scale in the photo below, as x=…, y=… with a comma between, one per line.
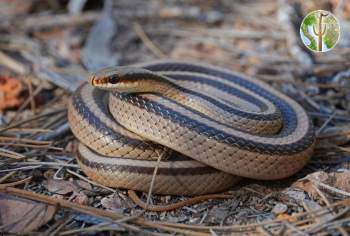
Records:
x=211, y=126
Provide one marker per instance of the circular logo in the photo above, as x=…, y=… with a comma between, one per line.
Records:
x=320, y=31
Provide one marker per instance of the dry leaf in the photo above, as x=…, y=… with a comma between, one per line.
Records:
x=65, y=187
x=341, y=181
x=19, y=215
x=10, y=90
x=81, y=199
x=337, y=180
x=115, y=202
x=284, y=217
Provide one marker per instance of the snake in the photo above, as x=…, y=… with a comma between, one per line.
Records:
x=202, y=126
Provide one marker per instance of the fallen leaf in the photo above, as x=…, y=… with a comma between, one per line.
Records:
x=10, y=90
x=19, y=215
x=341, y=181
x=65, y=187
x=81, y=199
x=337, y=180
x=59, y=186
x=284, y=217
x=309, y=186
x=115, y=202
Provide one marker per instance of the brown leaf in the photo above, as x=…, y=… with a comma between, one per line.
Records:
x=115, y=202
x=81, y=199
x=308, y=186
x=337, y=180
x=65, y=187
x=59, y=186
x=342, y=181
x=81, y=185
x=19, y=215
x=10, y=90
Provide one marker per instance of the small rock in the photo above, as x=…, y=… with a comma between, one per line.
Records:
x=217, y=215
x=279, y=208
x=296, y=194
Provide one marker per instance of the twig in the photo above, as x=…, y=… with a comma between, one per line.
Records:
x=160, y=156
x=32, y=95
x=32, y=146
x=218, y=33
x=25, y=140
x=333, y=135
x=147, y=41
x=326, y=186
x=11, y=154
x=60, y=226
x=90, y=181
x=174, y=206
x=31, y=119
x=324, y=125
x=59, y=132
x=26, y=180
x=43, y=163
x=341, y=229
x=5, y=177
x=94, y=229
x=21, y=168
x=12, y=64
x=321, y=224
x=30, y=130
x=41, y=22
x=93, y=211
x=345, y=202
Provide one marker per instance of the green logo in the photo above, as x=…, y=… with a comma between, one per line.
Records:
x=320, y=31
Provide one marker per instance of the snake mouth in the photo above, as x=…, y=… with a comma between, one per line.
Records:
x=95, y=81
x=99, y=81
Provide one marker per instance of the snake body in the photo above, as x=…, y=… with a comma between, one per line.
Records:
x=211, y=126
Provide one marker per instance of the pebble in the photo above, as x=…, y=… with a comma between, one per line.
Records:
x=279, y=208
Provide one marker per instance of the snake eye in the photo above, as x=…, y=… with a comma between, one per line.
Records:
x=113, y=79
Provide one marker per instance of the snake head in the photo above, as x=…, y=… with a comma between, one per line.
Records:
x=124, y=79
x=104, y=79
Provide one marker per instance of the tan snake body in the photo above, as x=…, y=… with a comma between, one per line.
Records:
x=236, y=125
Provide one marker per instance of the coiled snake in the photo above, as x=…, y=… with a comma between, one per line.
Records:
x=220, y=126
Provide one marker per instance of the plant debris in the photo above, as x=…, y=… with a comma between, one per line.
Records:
x=19, y=215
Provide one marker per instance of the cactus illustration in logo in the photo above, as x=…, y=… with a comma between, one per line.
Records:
x=320, y=31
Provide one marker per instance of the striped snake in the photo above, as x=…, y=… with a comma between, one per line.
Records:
x=210, y=125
